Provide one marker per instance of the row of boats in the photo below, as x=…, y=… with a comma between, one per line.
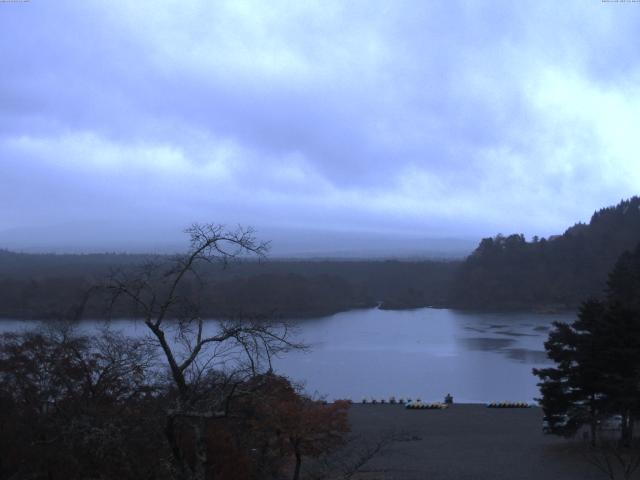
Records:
x=419, y=405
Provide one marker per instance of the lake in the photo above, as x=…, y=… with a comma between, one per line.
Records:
x=423, y=353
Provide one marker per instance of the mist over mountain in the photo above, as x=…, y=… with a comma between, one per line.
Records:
x=100, y=237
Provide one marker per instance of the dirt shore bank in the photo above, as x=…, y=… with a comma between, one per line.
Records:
x=468, y=442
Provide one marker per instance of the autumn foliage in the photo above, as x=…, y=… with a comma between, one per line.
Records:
x=78, y=407
x=294, y=425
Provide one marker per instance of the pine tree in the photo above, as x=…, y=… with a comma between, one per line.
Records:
x=573, y=393
x=597, y=358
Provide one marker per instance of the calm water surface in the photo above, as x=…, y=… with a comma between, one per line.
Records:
x=426, y=353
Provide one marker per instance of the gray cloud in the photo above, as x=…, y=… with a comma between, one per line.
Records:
x=437, y=119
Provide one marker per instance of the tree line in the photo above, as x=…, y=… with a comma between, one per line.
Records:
x=509, y=272
x=53, y=286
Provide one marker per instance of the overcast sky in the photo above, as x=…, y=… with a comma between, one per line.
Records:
x=124, y=121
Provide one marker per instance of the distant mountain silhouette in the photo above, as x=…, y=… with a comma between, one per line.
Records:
x=554, y=273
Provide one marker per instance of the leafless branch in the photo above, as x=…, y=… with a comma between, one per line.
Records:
x=195, y=355
x=614, y=460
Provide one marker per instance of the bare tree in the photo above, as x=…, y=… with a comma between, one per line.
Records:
x=207, y=361
x=354, y=458
x=614, y=459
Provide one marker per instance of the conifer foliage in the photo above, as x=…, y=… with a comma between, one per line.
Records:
x=597, y=357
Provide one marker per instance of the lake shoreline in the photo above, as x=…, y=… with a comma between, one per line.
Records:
x=317, y=314
x=419, y=353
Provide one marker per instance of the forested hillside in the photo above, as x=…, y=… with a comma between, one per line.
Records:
x=559, y=272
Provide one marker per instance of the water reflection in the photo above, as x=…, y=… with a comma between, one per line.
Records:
x=528, y=356
x=486, y=343
x=479, y=357
x=518, y=334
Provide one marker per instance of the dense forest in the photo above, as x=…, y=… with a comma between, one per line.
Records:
x=504, y=272
x=54, y=286
x=554, y=273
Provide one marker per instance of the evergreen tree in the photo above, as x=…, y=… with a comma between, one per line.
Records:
x=621, y=365
x=597, y=358
x=623, y=284
x=573, y=392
